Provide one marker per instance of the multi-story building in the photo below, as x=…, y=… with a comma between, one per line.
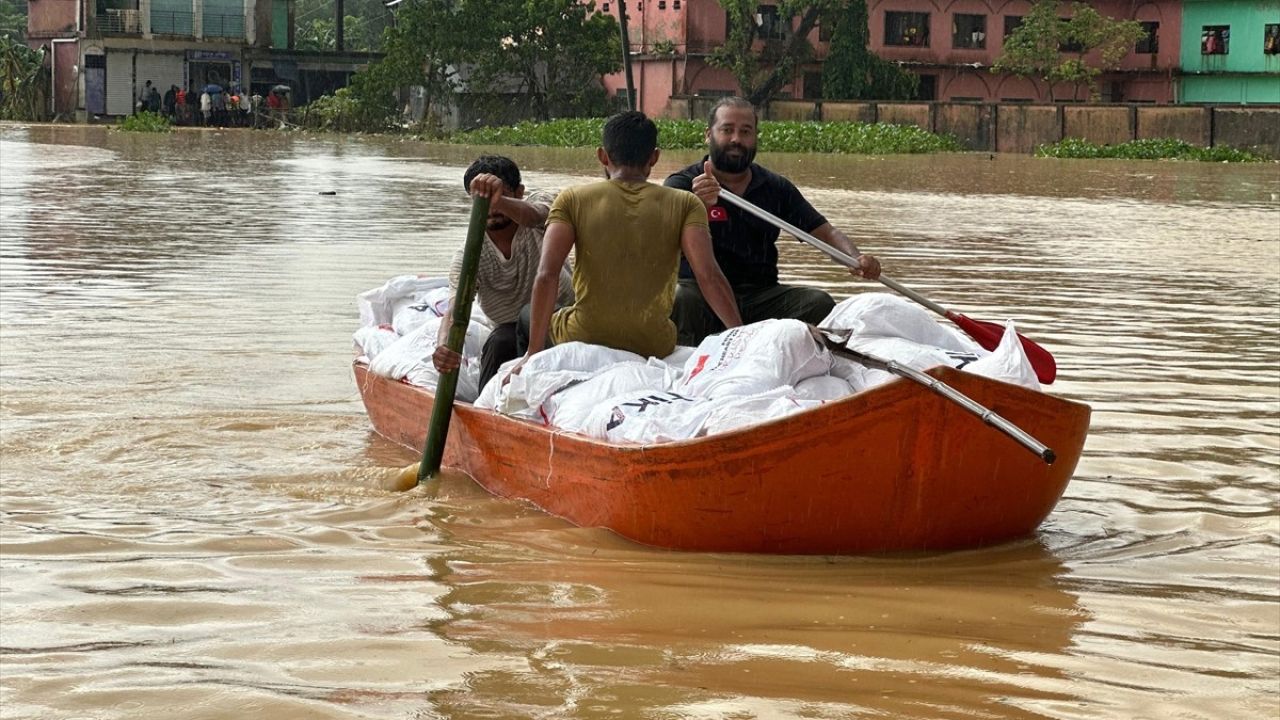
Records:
x=104, y=51
x=951, y=47
x=1230, y=51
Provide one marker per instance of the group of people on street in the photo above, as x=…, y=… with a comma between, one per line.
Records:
x=653, y=264
x=214, y=106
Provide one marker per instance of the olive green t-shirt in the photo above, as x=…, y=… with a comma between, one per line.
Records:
x=626, y=255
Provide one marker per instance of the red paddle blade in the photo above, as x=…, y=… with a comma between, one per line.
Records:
x=988, y=335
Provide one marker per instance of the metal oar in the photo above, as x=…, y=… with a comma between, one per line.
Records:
x=987, y=334
x=988, y=416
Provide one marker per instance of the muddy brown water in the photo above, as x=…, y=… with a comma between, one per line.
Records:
x=192, y=523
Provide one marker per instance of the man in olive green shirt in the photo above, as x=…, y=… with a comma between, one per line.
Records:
x=627, y=235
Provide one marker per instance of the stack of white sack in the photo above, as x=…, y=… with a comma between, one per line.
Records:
x=740, y=377
x=891, y=328
x=399, y=324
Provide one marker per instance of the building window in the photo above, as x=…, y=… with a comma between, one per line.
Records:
x=770, y=23
x=1271, y=40
x=1011, y=24
x=813, y=85
x=1149, y=44
x=908, y=29
x=604, y=7
x=662, y=4
x=675, y=5
x=969, y=32
x=1215, y=39
x=927, y=89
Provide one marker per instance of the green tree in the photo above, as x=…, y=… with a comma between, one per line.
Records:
x=1074, y=50
x=554, y=51
x=430, y=40
x=785, y=37
x=363, y=28
x=24, y=81
x=851, y=71
x=13, y=20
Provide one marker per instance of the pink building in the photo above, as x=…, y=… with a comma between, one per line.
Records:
x=950, y=44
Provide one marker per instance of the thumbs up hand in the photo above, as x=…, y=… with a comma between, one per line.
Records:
x=706, y=186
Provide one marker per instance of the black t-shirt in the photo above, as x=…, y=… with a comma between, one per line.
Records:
x=746, y=246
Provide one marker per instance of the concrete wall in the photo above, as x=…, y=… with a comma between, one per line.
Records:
x=1106, y=125
x=1255, y=129
x=1189, y=124
x=1020, y=127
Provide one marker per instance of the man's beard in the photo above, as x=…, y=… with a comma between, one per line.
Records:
x=498, y=222
x=721, y=158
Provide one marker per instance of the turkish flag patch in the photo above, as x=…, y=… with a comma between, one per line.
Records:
x=718, y=214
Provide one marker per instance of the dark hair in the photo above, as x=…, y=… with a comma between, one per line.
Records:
x=503, y=167
x=731, y=101
x=629, y=138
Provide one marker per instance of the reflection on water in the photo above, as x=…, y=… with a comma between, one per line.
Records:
x=192, y=524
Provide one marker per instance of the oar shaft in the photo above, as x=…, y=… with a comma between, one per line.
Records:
x=834, y=253
x=447, y=386
x=987, y=415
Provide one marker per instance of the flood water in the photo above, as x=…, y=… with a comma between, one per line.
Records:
x=193, y=523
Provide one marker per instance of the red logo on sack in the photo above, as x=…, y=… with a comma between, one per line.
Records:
x=718, y=214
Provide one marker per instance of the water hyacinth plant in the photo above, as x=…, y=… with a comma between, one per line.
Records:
x=146, y=121
x=780, y=136
x=1152, y=149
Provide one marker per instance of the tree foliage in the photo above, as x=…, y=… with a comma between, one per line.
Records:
x=1074, y=50
x=428, y=42
x=551, y=52
x=851, y=71
x=13, y=19
x=556, y=51
x=762, y=73
x=364, y=23
x=24, y=81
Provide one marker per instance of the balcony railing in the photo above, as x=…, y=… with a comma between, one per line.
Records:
x=225, y=26
x=116, y=21
x=172, y=22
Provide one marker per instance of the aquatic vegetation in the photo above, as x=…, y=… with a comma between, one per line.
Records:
x=146, y=121
x=1152, y=149
x=779, y=136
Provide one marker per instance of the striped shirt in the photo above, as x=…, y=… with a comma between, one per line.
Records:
x=504, y=285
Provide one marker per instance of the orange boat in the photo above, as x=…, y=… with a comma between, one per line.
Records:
x=893, y=468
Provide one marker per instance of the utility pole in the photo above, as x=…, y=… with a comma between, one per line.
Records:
x=626, y=53
x=340, y=16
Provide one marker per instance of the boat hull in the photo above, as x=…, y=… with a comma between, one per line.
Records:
x=894, y=468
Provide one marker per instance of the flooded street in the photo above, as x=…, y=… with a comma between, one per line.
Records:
x=193, y=525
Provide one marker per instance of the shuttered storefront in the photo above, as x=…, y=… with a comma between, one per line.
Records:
x=162, y=70
x=119, y=82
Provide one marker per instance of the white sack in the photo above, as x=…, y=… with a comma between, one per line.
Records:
x=409, y=359
x=859, y=376
x=648, y=417
x=752, y=359
x=823, y=388
x=1008, y=362
x=373, y=339
x=570, y=408
x=679, y=357
x=872, y=315
x=377, y=306
x=552, y=370
x=738, y=412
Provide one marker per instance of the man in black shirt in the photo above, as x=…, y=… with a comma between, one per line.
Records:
x=746, y=246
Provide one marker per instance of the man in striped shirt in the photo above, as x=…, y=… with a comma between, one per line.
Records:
x=509, y=259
